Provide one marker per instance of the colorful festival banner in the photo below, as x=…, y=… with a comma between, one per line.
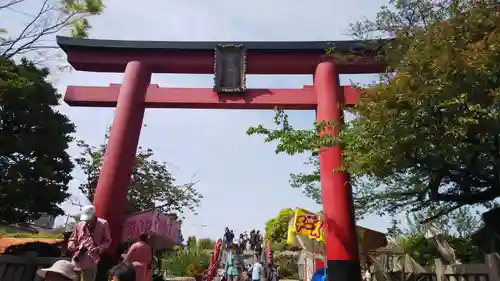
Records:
x=308, y=224
x=151, y=221
x=306, y=230
x=311, y=224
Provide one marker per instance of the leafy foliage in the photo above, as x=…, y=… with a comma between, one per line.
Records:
x=456, y=229
x=426, y=134
x=461, y=223
x=151, y=184
x=287, y=266
x=188, y=262
x=34, y=165
x=206, y=244
x=277, y=227
x=276, y=247
x=50, y=17
x=191, y=242
x=424, y=251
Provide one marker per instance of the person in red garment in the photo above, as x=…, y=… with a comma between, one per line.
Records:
x=140, y=254
x=88, y=241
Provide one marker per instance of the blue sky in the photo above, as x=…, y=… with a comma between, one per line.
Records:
x=213, y=144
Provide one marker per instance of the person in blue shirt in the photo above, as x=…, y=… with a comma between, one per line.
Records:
x=234, y=264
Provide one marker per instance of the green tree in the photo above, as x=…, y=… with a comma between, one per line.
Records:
x=206, y=243
x=191, y=242
x=151, y=185
x=456, y=229
x=426, y=134
x=287, y=265
x=46, y=19
x=277, y=227
x=34, y=165
x=394, y=231
x=461, y=223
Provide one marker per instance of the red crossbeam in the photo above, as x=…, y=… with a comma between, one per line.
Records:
x=205, y=98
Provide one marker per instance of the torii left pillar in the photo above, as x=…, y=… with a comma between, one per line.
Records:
x=111, y=192
x=340, y=229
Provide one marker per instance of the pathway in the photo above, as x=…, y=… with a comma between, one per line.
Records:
x=248, y=257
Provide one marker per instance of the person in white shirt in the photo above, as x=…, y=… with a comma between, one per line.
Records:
x=256, y=271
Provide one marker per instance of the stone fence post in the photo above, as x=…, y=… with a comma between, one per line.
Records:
x=492, y=262
x=439, y=269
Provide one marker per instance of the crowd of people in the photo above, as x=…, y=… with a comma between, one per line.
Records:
x=235, y=268
x=246, y=241
x=89, y=240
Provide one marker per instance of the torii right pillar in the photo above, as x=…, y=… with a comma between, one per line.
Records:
x=340, y=229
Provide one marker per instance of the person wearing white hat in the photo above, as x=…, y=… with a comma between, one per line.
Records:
x=61, y=270
x=88, y=241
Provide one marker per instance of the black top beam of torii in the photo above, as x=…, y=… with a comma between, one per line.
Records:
x=229, y=58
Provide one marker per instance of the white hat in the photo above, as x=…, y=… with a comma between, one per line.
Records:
x=88, y=212
x=63, y=267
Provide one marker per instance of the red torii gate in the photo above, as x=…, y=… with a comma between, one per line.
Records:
x=139, y=59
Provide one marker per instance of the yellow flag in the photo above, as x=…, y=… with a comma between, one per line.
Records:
x=290, y=237
x=308, y=224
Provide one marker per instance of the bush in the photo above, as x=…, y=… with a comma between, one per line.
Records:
x=187, y=262
x=191, y=242
x=276, y=246
x=287, y=266
x=424, y=251
x=206, y=244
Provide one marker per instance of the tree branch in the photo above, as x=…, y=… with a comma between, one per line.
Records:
x=441, y=213
x=9, y=4
x=49, y=19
